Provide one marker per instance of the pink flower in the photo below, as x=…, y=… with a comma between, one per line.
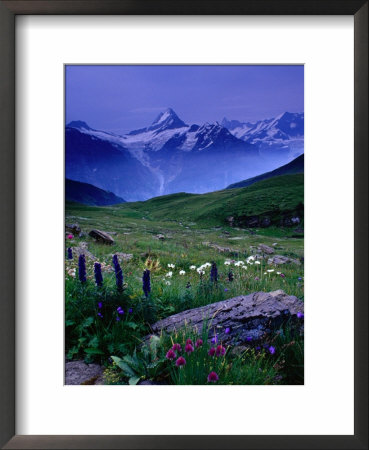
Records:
x=220, y=350
x=199, y=343
x=213, y=377
x=70, y=236
x=180, y=362
x=189, y=341
x=189, y=348
x=176, y=347
x=171, y=354
x=211, y=352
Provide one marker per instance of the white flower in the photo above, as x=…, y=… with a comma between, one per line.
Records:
x=192, y=267
x=257, y=262
x=207, y=265
x=278, y=273
x=169, y=274
x=167, y=282
x=250, y=258
x=265, y=273
x=172, y=266
x=270, y=270
x=244, y=267
x=200, y=271
x=237, y=264
x=227, y=263
x=182, y=272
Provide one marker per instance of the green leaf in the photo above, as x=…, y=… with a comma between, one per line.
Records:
x=87, y=322
x=128, y=371
x=131, y=325
x=69, y=323
x=134, y=380
x=93, y=351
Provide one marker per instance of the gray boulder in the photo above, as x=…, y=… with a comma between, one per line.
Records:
x=78, y=372
x=265, y=249
x=101, y=236
x=238, y=319
x=73, y=228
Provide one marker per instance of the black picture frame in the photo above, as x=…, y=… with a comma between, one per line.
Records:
x=8, y=11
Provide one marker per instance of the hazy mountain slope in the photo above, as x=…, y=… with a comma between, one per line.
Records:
x=293, y=167
x=76, y=191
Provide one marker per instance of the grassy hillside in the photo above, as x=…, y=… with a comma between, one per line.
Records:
x=293, y=167
x=87, y=194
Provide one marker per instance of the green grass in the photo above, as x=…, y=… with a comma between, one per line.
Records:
x=189, y=223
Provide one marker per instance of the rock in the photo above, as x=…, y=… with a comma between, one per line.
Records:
x=123, y=256
x=78, y=372
x=82, y=249
x=101, y=236
x=250, y=316
x=290, y=221
x=265, y=249
x=220, y=248
x=230, y=220
x=73, y=228
x=280, y=259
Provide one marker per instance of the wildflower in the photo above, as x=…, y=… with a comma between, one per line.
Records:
x=182, y=272
x=198, y=343
x=172, y=266
x=227, y=330
x=220, y=350
x=188, y=285
x=245, y=267
x=211, y=352
x=192, y=267
x=230, y=276
x=189, y=348
x=300, y=315
x=100, y=305
x=299, y=278
x=271, y=350
x=176, y=347
x=146, y=286
x=213, y=377
x=118, y=276
x=214, y=340
x=100, y=315
x=278, y=273
x=171, y=354
x=256, y=278
x=117, y=319
x=180, y=362
x=98, y=274
x=167, y=282
x=226, y=290
x=70, y=236
x=120, y=310
x=258, y=348
x=207, y=264
x=214, y=273
x=248, y=338
x=257, y=262
x=115, y=260
x=250, y=258
x=82, y=268
x=270, y=270
x=283, y=275
x=70, y=253
x=130, y=311
x=189, y=341
x=227, y=263
x=169, y=274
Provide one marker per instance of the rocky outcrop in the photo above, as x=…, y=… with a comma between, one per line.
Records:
x=78, y=372
x=73, y=228
x=265, y=249
x=280, y=259
x=82, y=249
x=101, y=236
x=238, y=320
x=123, y=256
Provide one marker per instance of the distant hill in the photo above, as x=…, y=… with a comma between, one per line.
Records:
x=76, y=191
x=293, y=167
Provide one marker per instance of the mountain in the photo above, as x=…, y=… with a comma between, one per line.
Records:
x=76, y=191
x=293, y=167
x=170, y=156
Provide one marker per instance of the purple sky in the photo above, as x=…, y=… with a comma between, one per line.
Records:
x=124, y=98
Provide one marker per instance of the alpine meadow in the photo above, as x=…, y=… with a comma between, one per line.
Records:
x=184, y=232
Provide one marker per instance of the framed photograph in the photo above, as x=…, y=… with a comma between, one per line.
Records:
x=185, y=224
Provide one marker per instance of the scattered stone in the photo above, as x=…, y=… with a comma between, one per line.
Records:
x=101, y=236
x=78, y=372
x=82, y=249
x=123, y=256
x=247, y=317
x=161, y=237
x=280, y=259
x=73, y=228
x=290, y=221
x=220, y=248
x=265, y=249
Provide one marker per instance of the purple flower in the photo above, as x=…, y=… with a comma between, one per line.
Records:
x=248, y=338
x=213, y=377
x=214, y=340
x=118, y=319
x=199, y=343
x=258, y=348
x=271, y=350
x=99, y=314
x=146, y=286
x=115, y=260
x=220, y=350
x=70, y=253
x=211, y=352
x=100, y=305
x=82, y=268
x=299, y=278
x=176, y=347
x=189, y=341
x=130, y=311
x=227, y=330
x=180, y=362
x=98, y=274
x=256, y=278
x=189, y=348
x=226, y=290
x=171, y=354
x=300, y=315
x=214, y=273
x=283, y=275
x=120, y=310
